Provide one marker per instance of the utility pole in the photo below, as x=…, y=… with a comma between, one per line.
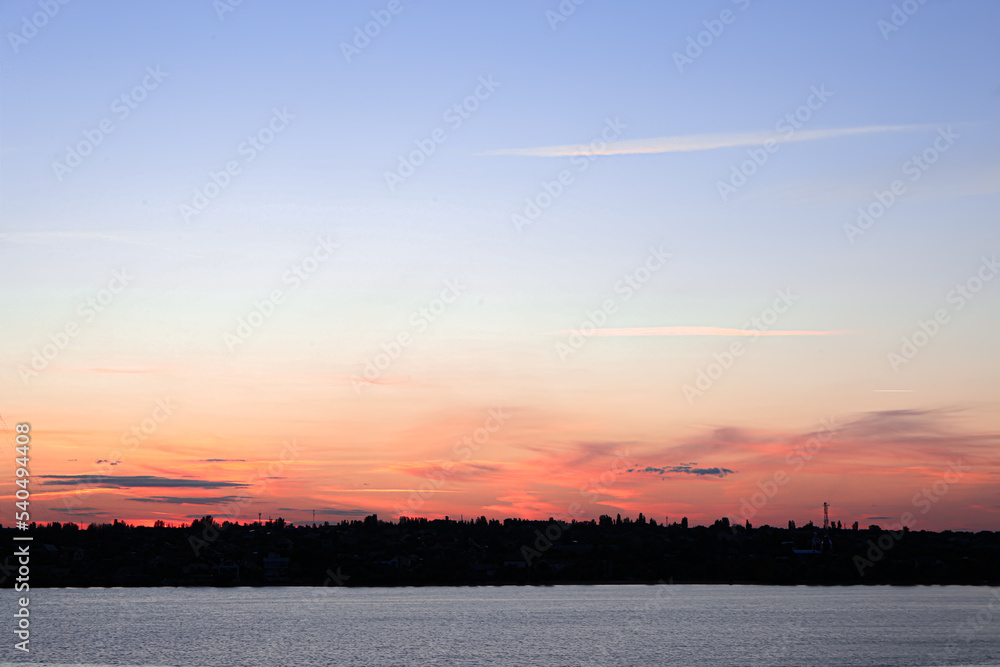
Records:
x=827, y=545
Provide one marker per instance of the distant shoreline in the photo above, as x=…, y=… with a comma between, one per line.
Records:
x=443, y=553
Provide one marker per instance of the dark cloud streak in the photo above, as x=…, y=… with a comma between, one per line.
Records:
x=684, y=469
x=134, y=482
x=173, y=500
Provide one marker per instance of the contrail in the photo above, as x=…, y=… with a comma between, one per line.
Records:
x=704, y=331
x=699, y=142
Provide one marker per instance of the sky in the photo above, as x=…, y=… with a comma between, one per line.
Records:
x=520, y=259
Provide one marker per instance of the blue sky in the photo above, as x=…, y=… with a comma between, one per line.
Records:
x=345, y=123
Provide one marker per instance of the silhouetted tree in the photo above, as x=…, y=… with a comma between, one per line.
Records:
x=432, y=552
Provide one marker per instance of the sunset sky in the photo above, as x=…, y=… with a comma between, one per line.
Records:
x=502, y=259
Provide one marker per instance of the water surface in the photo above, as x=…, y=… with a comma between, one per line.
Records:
x=564, y=625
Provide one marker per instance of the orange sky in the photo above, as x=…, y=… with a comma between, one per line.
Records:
x=504, y=460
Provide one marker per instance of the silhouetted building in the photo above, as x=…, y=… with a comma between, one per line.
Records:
x=275, y=569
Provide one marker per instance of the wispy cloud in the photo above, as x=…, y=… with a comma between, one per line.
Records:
x=66, y=236
x=586, y=453
x=108, y=369
x=700, y=142
x=526, y=504
x=705, y=331
x=456, y=470
x=886, y=443
x=58, y=236
x=400, y=379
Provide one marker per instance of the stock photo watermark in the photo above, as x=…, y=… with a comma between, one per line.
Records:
x=121, y=107
x=589, y=491
x=420, y=320
x=363, y=35
x=550, y=191
x=247, y=150
x=130, y=439
x=900, y=14
x=223, y=7
x=927, y=330
x=924, y=500
x=625, y=288
x=797, y=458
x=723, y=361
x=914, y=168
x=264, y=308
x=22, y=554
x=463, y=450
x=142, y=431
x=562, y=12
x=982, y=619
x=454, y=116
x=30, y=25
x=209, y=531
x=698, y=43
x=88, y=310
x=786, y=127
